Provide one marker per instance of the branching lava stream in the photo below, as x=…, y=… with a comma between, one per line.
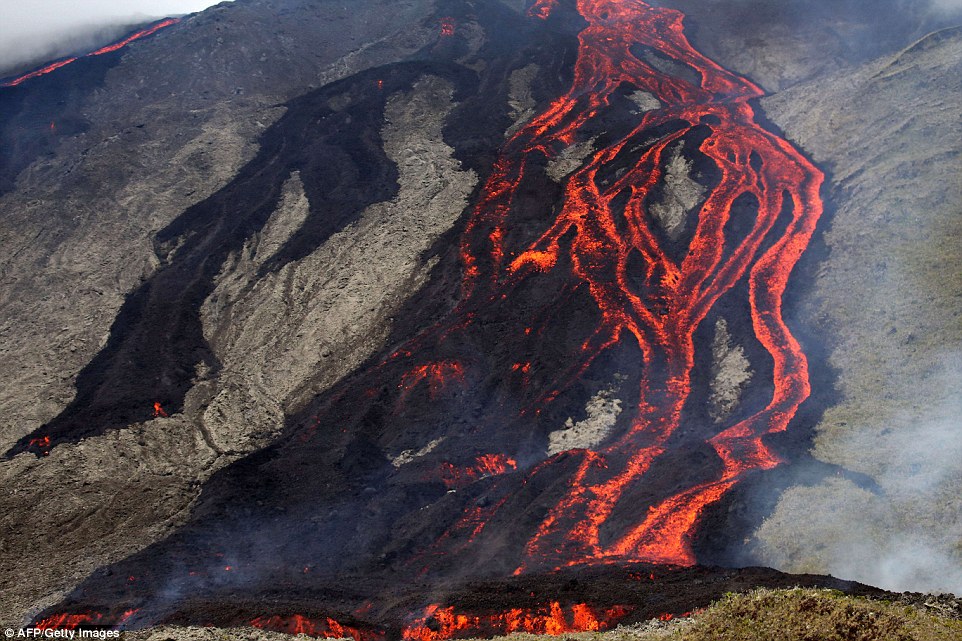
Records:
x=663, y=315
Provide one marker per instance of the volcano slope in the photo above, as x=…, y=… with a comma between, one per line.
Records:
x=506, y=296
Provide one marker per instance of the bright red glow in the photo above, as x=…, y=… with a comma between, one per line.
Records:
x=53, y=66
x=447, y=27
x=126, y=616
x=542, y=9
x=323, y=627
x=69, y=621
x=439, y=623
x=41, y=442
x=454, y=476
x=140, y=34
x=158, y=410
x=438, y=376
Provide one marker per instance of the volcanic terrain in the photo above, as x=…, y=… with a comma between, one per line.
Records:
x=431, y=319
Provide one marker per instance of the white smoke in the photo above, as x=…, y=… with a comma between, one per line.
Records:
x=908, y=535
x=40, y=30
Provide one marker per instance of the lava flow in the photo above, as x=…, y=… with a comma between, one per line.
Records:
x=326, y=628
x=53, y=66
x=455, y=476
x=604, y=231
x=438, y=376
x=548, y=291
x=439, y=623
x=68, y=621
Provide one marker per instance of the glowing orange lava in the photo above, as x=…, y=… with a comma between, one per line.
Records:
x=69, y=621
x=439, y=623
x=454, y=476
x=158, y=410
x=327, y=627
x=604, y=221
x=438, y=376
x=140, y=34
x=53, y=66
x=43, y=441
x=127, y=615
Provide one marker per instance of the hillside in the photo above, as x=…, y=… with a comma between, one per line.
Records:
x=328, y=310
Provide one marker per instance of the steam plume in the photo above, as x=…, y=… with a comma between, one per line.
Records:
x=33, y=32
x=907, y=536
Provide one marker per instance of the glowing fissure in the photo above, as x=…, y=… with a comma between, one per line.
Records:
x=53, y=66
x=676, y=296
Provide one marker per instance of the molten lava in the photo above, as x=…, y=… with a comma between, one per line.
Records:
x=438, y=376
x=69, y=621
x=42, y=441
x=454, y=476
x=439, y=623
x=135, y=36
x=605, y=240
x=53, y=66
x=327, y=627
x=158, y=410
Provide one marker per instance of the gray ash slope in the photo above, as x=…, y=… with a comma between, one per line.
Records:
x=212, y=251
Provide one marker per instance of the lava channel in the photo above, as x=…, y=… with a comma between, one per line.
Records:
x=603, y=221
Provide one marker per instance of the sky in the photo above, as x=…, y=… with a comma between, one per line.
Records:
x=37, y=30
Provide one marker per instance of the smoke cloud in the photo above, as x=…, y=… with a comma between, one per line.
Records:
x=905, y=536
x=40, y=30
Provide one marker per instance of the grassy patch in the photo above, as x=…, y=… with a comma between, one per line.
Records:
x=814, y=615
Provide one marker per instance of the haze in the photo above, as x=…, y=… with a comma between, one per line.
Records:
x=39, y=30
